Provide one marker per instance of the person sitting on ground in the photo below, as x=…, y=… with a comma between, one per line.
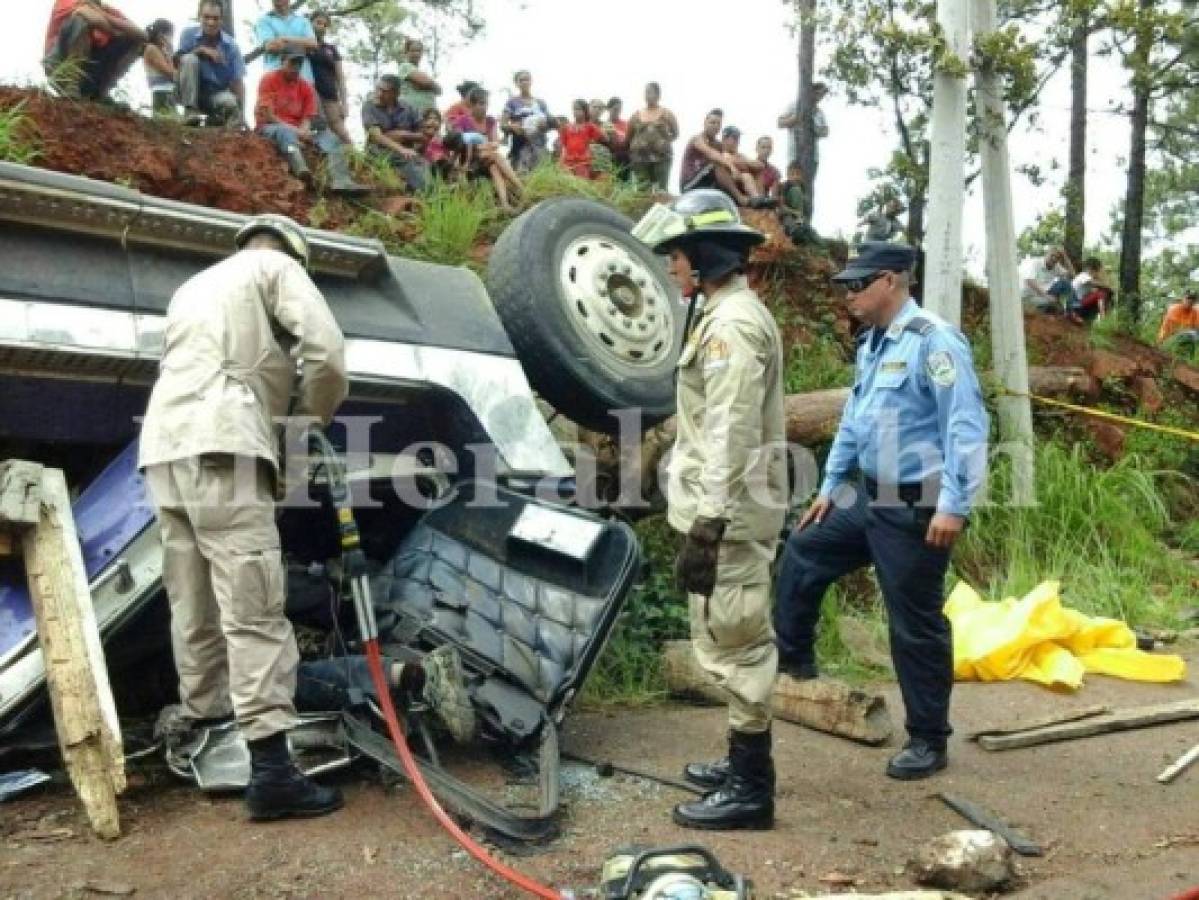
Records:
x=211, y=71
x=1180, y=324
x=393, y=129
x=883, y=223
x=707, y=165
x=651, y=134
x=792, y=208
x=463, y=104
x=329, y=77
x=159, y=63
x=417, y=88
x=619, y=136
x=286, y=106
x=575, y=139
x=282, y=32
x=432, y=147
x=769, y=178
x=484, y=158
x=1046, y=281
x=748, y=169
x=89, y=48
x=1091, y=290
x=526, y=121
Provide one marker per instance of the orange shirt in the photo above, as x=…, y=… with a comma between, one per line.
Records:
x=1178, y=318
x=62, y=10
x=292, y=102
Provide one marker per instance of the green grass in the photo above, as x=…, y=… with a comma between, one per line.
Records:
x=451, y=218
x=551, y=180
x=1101, y=532
x=822, y=364
x=18, y=136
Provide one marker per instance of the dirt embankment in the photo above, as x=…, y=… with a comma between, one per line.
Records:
x=235, y=171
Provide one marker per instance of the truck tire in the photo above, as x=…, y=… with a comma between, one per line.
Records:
x=590, y=310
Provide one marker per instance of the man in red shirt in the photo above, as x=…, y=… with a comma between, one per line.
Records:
x=286, y=106
x=89, y=47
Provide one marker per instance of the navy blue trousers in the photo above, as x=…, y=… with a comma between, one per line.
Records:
x=912, y=577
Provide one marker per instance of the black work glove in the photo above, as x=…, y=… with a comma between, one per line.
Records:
x=695, y=568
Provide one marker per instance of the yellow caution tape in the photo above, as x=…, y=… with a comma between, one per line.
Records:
x=1111, y=417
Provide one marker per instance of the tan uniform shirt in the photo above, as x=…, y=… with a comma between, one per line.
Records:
x=235, y=334
x=729, y=459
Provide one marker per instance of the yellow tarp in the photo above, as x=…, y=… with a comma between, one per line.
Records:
x=1038, y=639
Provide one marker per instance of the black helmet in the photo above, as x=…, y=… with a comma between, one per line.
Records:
x=707, y=215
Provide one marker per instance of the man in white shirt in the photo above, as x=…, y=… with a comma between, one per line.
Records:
x=1045, y=281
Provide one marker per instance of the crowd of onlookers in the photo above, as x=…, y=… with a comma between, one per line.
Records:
x=199, y=76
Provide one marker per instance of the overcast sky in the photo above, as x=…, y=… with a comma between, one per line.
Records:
x=739, y=57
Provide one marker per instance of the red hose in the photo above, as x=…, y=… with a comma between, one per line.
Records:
x=375, y=663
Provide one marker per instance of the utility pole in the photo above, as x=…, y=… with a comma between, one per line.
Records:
x=1010, y=360
x=947, y=166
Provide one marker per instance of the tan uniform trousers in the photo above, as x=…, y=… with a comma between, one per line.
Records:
x=223, y=572
x=733, y=635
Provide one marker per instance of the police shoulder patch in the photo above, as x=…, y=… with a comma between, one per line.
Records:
x=941, y=368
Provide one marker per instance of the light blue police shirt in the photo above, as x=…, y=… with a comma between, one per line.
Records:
x=271, y=27
x=915, y=413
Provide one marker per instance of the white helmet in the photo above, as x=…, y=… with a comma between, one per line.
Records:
x=291, y=234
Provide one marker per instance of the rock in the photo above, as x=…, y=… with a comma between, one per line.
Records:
x=1148, y=394
x=1109, y=438
x=1104, y=364
x=967, y=861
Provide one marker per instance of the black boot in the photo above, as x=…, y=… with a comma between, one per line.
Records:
x=919, y=758
x=708, y=775
x=277, y=789
x=746, y=798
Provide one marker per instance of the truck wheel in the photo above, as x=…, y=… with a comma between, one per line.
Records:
x=590, y=310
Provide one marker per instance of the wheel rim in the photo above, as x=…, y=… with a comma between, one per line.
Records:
x=615, y=301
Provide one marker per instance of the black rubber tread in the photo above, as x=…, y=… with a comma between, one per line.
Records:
x=522, y=279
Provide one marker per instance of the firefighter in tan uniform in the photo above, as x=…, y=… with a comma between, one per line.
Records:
x=727, y=491
x=235, y=335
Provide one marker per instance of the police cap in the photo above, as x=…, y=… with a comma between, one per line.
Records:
x=878, y=256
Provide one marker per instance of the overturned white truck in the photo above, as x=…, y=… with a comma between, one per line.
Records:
x=443, y=376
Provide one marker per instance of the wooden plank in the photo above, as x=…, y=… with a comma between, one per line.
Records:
x=84, y=711
x=822, y=704
x=19, y=492
x=1179, y=766
x=1073, y=715
x=1119, y=720
x=984, y=818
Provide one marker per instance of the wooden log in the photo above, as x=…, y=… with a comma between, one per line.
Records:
x=85, y=714
x=821, y=704
x=1074, y=715
x=20, y=486
x=1118, y=720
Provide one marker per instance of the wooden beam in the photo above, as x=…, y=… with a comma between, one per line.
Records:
x=1073, y=715
x=85, y=714
x=1118, y=720
x=19, y=492
x=822, y=704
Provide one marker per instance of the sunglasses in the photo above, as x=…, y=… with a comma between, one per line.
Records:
x=857, y=285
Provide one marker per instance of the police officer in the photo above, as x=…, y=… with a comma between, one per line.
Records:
x=727, y=491
x=914, y=432
x=234, y=336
